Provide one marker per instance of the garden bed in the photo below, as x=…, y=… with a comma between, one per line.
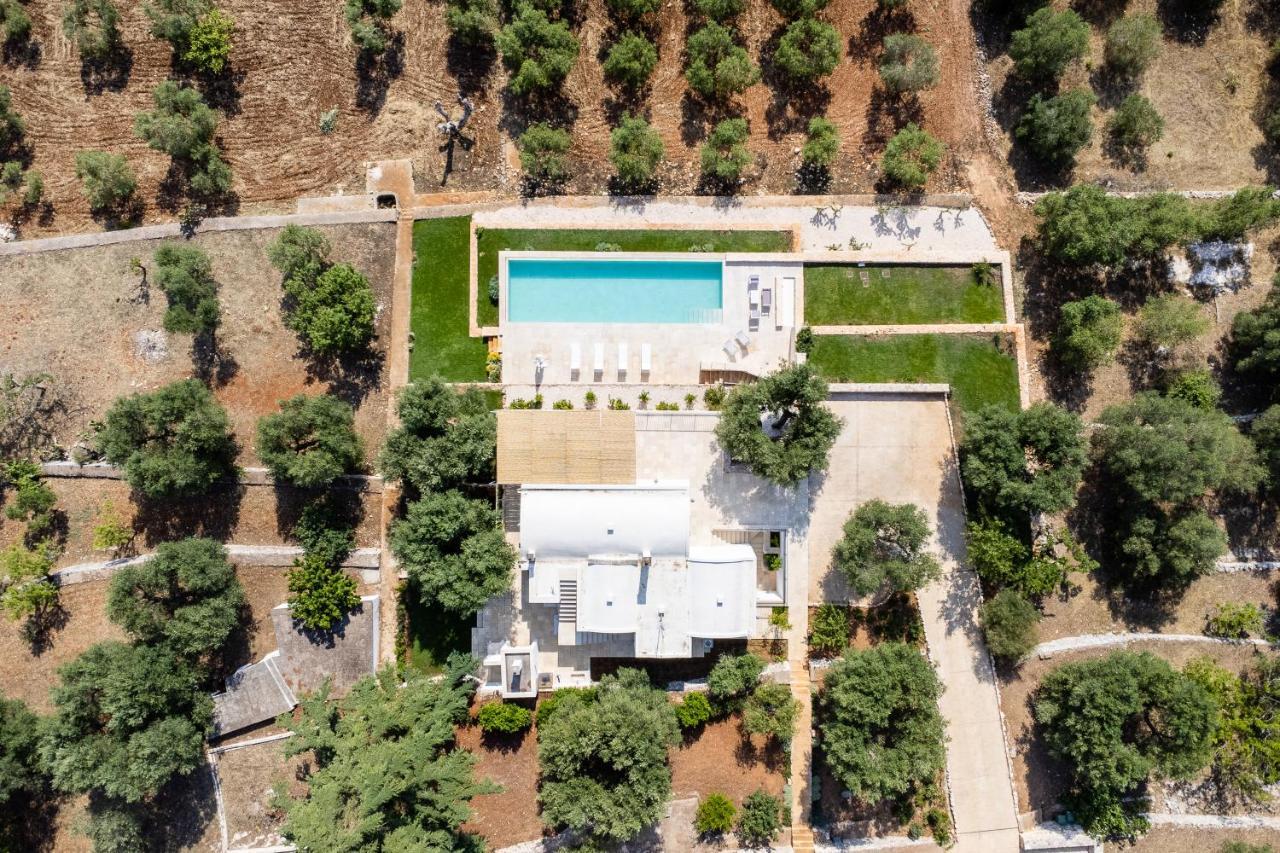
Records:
x=491, y=241
x=428, y=635
x=895, y=620
x=980, y=369
x=440, y=314
x=894, y=294
x=510, y=816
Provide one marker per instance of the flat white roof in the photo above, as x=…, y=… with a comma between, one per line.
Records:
x=721, y=591
x=581, y=521
x=609, y=598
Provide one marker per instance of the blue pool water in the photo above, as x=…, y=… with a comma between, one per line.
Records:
x=569, y=290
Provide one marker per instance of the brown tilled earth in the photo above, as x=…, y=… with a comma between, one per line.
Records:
x=294, y=61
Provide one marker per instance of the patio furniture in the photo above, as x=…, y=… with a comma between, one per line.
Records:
x=729, y=348
x=575, y=359
x=766, y=300
x=622, y=359
x=743, y=340
x=646, y=360
x=598, y=362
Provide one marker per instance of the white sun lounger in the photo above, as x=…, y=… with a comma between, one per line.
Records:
x=622, y=359
x=766, y=300
x=743, y=340
x=598, y=363
x=646, y=360
x=729, y=348
x=575, y=359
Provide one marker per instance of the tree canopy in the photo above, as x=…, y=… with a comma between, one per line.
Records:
x=108, y=181
x=1056, y=128
x=1115, y=721
x=1030, y=461
x=1246, y=753
x=718, y=66
x=182, y=125
x=882, y=734
x=537, y=51
x=883, y=546
x=1048, y=43
x=911, y=157
x=330, y=306
x=185, y=274
x=186, y=598
x=445, y=438
x=1254, y=346
x=20, y=772
x=778, y=425
x=385, y=772
x=908, y=64
x=631, y=60
x=603, y=756
x=809, y=49
x=635, y=150
x=311, y=441
x=454, y=551
x=127, y=719
x=173, y=441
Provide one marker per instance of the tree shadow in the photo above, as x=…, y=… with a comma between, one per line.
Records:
x=470, y=64
x=342, y=506
x=350, y=378
x=504, y=744
x=127, y=214
x=887, y=113
x=29, y=820
x=25, y=54
x=1111, y=87
x=1101, y=13
x=812, y=179
x=697, y=116
x=213, y=515
x=212, y=362
x=222, y=90
x=375, y=73
x=1187, y=21
x=518, y=112
x=39, y=629
x=183, y=809
x=108, y=74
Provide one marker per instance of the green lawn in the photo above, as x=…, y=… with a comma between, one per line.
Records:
x=979, y=371
x=491, y=241
x=433, y=634
x=441, y=296
x=835, y=295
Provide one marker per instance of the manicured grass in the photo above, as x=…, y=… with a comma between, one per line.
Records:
x=835, y=295
x=491, y=241
x=433, y=634
x=441, y=297
x=979, y=371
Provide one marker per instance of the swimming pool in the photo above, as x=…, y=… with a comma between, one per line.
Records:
x=626, y=290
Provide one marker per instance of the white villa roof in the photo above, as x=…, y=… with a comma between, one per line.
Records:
x=721, y=591
x=580, y=521
x=609, y=598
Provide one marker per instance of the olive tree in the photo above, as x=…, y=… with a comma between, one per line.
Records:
x=21, y=775
x=778, y=425
x=724, y=155
x=1133, y=42
x=1086, y=226
x=1008, y=623
x=542, y=149
x=186, y=598
x=538, y=52
x=172, y=442
x=330, y=306
x=603, y=757
x=1254, y=346
x=1055, y=129
x=911, y=157
x=108, y=181
x=821, y=144
x=310, y=442
x=718, y=66
x=630, y=61
x=1048, y=43
x=908, y=64
x=94, y=27
x=1170, y=321
x=635, y=150
x=445, y=438
x=454, y=551
x=369, y=22
x=185, y=275
x=1089, y=332
x=1135, y=125
x=808, y=49
x=182, y=125
x=1030, y=461
x=883, y=547
x=472, y=22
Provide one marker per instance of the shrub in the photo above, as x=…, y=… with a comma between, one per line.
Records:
x=719, y=10
x=1132, y=43
x=1029, y=461
x=761, y=818
x=185, y=274
x=908, y=64
x=882, y=734
x=186, y=598
x=733, y=677
x=539, y=53
x=718, y=66
x=995, y=555
x=321, y=594
x=725, y=155
x=548, y=706
x=111, y=533
x=631, y=60
x=453, y=550
x=804, y=339
x=1254, y=346
x=1235, y=620
x=209, y=42
x=713, y=398
x=310, y=442
x=829, y=628
x=809, y=49
x=1084, y=225
x=182, y=125
x=331, y=306
x=542, y=149
x=694, y=711
x=1231, y=218
x=1169, y=320
x=175, y=441
x=108, y=181
x=369, y=23
x=504, y=718
x=771, y=710
x=1115, y=721
x=1088, y=332
x=631, y=10
x=911, y=157
x=1009, y=624
x=12, y=125
x=1048, y=43
x=799, y=8
x=715, y=815
x=1055, y=129
x=603, y=758
x=471, y=22
x=883, y=546
x=795, y=433
x=635, y=150
x=1135, y=125
x=821, y=145
x=32, y=501
x=94, y=27
x=940, y=825
x=25, y=587
x=1197, y=387
x=1266, y=437
x=1246, y=760
x=15, y=23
